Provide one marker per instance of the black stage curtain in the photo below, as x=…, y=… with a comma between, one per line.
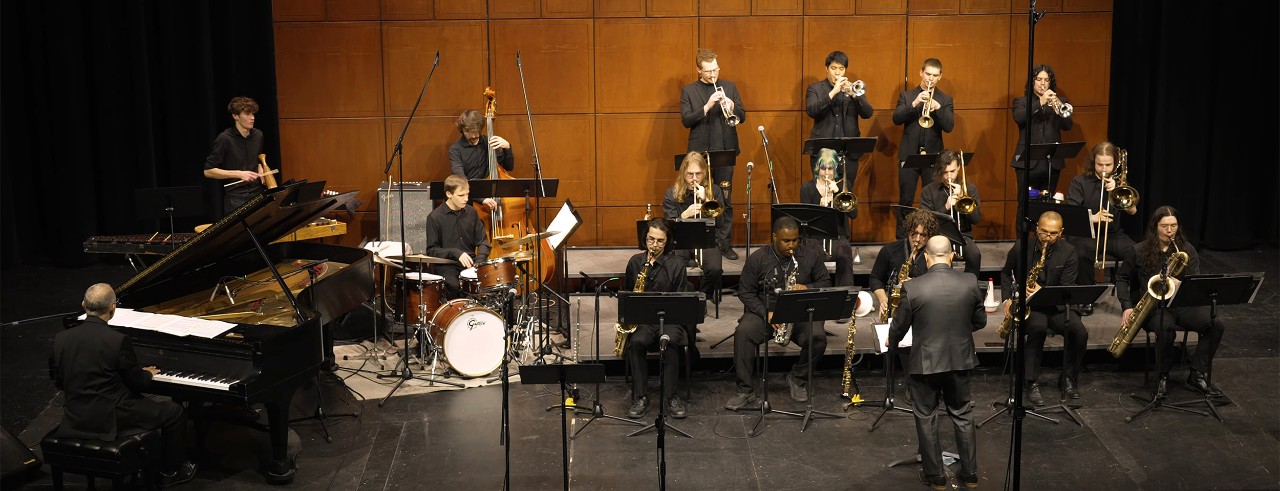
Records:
x=1194, y=101
x=104, y=98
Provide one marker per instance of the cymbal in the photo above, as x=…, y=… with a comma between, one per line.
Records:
x=422, y=259
x=518, y=256
x=527, y=239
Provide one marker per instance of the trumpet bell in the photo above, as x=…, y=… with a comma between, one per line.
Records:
x=731, y=119
x=859, y=88
x=926, y=122
x=865, y=304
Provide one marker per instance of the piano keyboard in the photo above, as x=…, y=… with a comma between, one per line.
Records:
x=194, y=379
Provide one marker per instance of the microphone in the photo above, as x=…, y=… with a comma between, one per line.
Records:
x=662, y=342
x=518, y=59
x=750, y=165
x=762, y=135
x=589, y=279
x=437, y=62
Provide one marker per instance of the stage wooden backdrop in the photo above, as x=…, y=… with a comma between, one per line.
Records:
x=604, y=81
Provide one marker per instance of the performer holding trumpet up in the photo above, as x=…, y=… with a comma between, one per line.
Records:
x=712, y=110
x=1096, y=190
x=824, y=190
x=952, y=194
x=924, y=113
x=835, y=103
x=1044, y=121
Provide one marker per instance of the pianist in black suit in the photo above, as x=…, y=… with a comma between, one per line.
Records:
x=98, y=370
x=454, y=231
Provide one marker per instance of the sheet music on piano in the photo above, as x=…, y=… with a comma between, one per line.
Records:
x=176, y=325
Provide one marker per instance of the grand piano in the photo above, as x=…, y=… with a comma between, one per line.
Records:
x=230, y=272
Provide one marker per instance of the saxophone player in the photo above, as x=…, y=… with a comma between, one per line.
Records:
x=821, y=191
x=1148, y=259
x=661, y=273
x=894, y=254
x=1057, y=263
x=941, y=197
x=767, y=271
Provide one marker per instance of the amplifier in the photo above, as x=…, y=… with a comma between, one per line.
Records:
x=417, y=205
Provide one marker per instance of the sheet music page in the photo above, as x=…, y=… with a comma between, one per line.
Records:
x=176, y=325
x=882, y=336
x=563, y=223
x=202, y=328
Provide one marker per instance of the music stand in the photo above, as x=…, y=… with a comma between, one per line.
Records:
x=890, y=360
x=159, y=203
x=715, y=158
x=1050, y=296
x=844, y=146
x=1196, y=291
x=1075, y=218
x=920, y=161
x=816, y=221
x=562, y=375
x=817, y=305
x=1049, y=151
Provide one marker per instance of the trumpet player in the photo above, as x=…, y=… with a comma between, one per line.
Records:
x=1057, y=269
x=942, y=195
x=822, y=190
x=924, y=113
x=835, y=106
x=711, y=109
x=1092, y=189
x=1044, y=124
x=1149, y=259
x=662, y=273
x=765, y=273
x=684, y=201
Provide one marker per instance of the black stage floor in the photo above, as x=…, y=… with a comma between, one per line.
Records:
x=449, y=440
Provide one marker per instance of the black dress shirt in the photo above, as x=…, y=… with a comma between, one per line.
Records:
x=1084, y=191
x=710, y=132
x=809, y=194
x=1046, y=127
x=914, y=136
x=884, y=272
x=667, y=274
x=933, y=197
x=766, y=270
x=451, y=233
x=1131, y=278
x=234, y=152
x=835, y=117
x=1060, y=268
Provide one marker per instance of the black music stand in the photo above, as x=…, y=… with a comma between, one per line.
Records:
x=1196, y=291
x=1066, y=296
x=1075, y=218
x=1050, y=151
x=168, y=203
x=844, y=147
x=817, y=305
x=816, y=221
x=890, y=360
x=562, y=375
x=715, y=158
x=920, y=161
x=692, y=234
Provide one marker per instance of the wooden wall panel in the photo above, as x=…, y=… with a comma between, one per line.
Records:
x=996, y=222
x=790, y=168
x=672, y=8
x=648, y=76
x=724, y=7
x=297, y=10
x=637, y=150
x=514, y=9
x=829, y=7
x=619, y=8
x=408, y=9
x=877, y=53
x=877, y=179
x=458, y=83
x=1086, y=5
x=1077, y=46
x=760, y=54
x=351, y=10
x=776, y=7
x=984, y=6
x=616, y=225
x=933, y=7
x=460, y=9
x=347, y=153
x=566, y=8
x=1090, y=127
x=876, y=223
x=426, y=147
x=566, y=146
x=972, y=70
x=328, y=70
x=982, y=131
x=881, y=7
x=557, y=59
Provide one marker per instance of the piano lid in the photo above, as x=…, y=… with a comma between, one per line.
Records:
x=270, y=216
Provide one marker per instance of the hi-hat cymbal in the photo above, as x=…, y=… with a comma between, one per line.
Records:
x=422, y=259
x=518, y=256
x=527, y=239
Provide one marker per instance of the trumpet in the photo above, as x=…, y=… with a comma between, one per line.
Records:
x=965, y=204
x=856, y=89
x=1123, y=196
x=1063, y=109
x=729, y=117
x=926, y=121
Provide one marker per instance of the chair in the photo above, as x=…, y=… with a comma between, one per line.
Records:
x=130, y=455
x=686, y=368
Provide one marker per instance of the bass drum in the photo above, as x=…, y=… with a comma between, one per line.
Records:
x=471, y=336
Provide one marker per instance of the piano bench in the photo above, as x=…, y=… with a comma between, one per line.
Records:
x=129, y=455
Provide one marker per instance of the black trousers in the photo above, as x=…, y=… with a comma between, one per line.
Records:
x=908, y=181
x=638, y=346
x=1040, y=173
x=1118, y=245
x=450, y=272
x=972, y=257
x=841, y=254
x=952, y=389
x=1075, y=339
x=752, y=330
x=724, y=222
x=1187, y=319
x=712, y=269
x=142, y=413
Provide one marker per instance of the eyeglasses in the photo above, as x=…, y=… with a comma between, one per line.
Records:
x=653, y=240
x=717, y=70
x=918, y=234
x=1048, y=234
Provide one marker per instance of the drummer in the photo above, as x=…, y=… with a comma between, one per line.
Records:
x=454, y=231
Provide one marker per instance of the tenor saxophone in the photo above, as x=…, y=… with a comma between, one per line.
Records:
x=1157, y=290
x=1006, y=325
x=782, y=335
x=895, y=295
x=624, y=331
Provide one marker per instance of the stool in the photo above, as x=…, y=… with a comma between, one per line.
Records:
x=128, y=455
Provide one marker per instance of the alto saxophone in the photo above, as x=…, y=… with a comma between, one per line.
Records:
x=850, y=388
x=1006, y=325
x=782, y=335
x=623, y=332
x=895, y=295
x=1157, y=290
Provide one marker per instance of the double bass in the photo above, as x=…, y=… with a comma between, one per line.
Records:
x=511, y=218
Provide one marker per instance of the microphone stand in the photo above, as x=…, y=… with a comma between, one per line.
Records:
x=397, y=154
x=773, y=185
x=750, y=166
x=597, y=409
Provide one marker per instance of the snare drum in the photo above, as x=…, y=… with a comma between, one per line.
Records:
x=498, y=274
x=471, y=336
x=426, y=292
x=468, y=283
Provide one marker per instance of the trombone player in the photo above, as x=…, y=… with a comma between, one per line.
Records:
x=835, y=103
x=687, y=199
x=825, y=190
x=1094, y=189
x=712, y=110
x=924, y=113
x=952, y=194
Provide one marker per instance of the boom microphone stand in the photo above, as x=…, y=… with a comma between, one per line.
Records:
x=597, y=409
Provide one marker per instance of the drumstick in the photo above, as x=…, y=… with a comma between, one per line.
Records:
x=273, y=171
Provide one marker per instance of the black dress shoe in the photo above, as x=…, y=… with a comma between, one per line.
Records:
x=639, y=406
x=1068, y=387
x=935, y=482
x=1033, y=394
x=185, y=472
x=1086, y=309
x=1199, y=382
x=728, y=253
x=677, y=408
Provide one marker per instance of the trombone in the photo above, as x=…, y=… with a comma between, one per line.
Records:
x=926, y=121
x=965, y=204
x=729, y=117
x=712, y=209
x=1123, y=196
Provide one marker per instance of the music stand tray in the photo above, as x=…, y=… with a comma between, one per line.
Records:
x=850, y=145
x=715, y=158
x=816, y=221
x=1052, y=151
x=689, y=234
x=662, y=308
x=563, y=375
x=1075, y=218
x=920, y=161
x=510, y=188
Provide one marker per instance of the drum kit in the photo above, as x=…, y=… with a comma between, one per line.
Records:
x=470, y=332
